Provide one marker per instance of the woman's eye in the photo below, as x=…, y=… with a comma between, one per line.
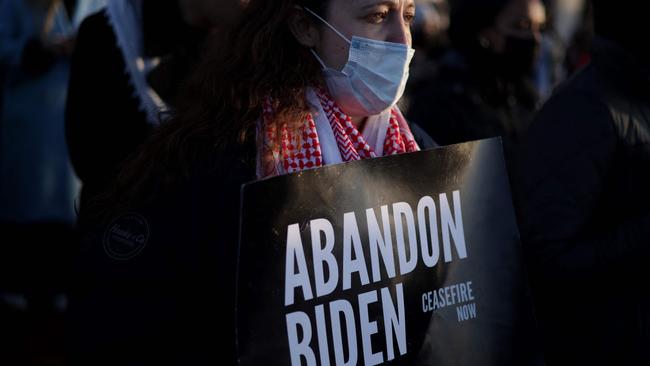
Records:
x=409, y=18
x=377, y=17
x=524, y=24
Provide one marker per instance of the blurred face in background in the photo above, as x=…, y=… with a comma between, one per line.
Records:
x=211, y=13
x=567, y=18
x=516, y=35
x=431, y=22
x=387, y=20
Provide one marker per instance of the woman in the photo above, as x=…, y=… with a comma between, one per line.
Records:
x=158, y=269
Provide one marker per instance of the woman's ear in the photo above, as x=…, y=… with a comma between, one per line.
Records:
x=303, y=27
x=490, y=38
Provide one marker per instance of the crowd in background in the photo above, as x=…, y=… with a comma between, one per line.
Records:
x=84, y=83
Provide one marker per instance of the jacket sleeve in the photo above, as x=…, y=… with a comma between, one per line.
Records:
x=563, y=172
x=103, y=122
x=171, y=300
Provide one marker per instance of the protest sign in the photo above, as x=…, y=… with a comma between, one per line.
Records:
x=407, y=260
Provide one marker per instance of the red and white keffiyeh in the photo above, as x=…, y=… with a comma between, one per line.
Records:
x=288, y=157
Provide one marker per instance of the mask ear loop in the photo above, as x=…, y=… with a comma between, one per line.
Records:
x=320, y=61
x=327, y=24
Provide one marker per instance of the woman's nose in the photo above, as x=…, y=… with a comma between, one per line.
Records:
x=399, y=30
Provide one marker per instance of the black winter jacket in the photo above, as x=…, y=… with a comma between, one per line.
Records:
x=156, y=284
x=584, y=194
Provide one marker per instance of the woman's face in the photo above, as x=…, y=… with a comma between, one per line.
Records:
x=522, y=19
x=382, y=20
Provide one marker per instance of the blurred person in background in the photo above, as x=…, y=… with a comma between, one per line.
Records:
x=37, y=183
x=582, y=183
x=577, y=50
x=129, y=65
x=431, y=24
x=549, y=58
x=484, y=87
x=566, y=43
x=431, y=40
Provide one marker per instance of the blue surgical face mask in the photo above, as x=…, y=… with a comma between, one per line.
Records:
x=373, y=78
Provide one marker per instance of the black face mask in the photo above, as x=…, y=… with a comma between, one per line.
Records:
x=519, y=57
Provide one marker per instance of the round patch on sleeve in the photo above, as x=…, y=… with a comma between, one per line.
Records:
x=126, y=236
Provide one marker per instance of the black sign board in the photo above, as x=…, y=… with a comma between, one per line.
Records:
x=412, y=259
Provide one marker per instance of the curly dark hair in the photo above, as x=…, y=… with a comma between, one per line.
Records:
x=222, y=101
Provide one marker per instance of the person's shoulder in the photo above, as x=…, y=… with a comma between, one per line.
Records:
x=213, y=173
x=96, y=36
x=174, y=185
x=217, y=174
x=423, y=139
x=96, y=24
x=573, y=127
x=583, y=83
x=578, y=102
